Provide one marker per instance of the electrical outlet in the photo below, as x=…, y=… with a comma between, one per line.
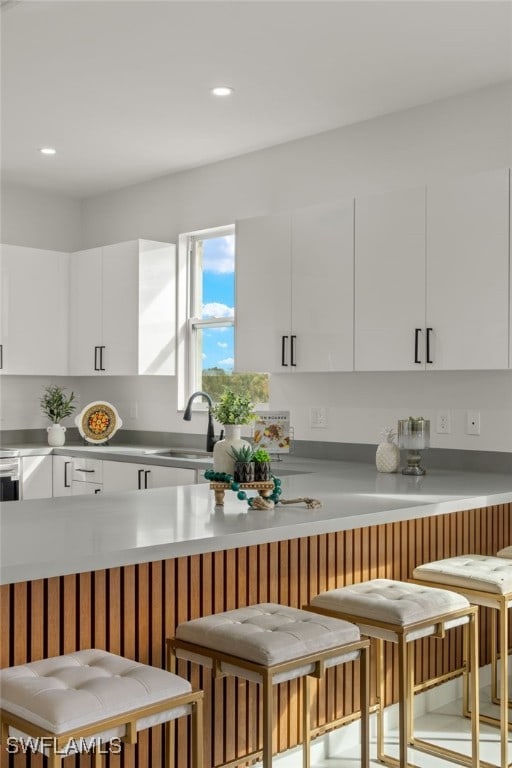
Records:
x=444, y=423
x=318, y=417
x=473, y=422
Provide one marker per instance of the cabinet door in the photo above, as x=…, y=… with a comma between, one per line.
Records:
x=263, y=296
x=86, y=314
x=120, y=280
x=62, y=475
x=157, y=308
x=33, y=311
x=390, y=281
x=122, y=476
x=163, y=477
x=322, y=280
x=36, y=474
x=468, y=272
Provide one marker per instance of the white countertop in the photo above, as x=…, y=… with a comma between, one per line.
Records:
x=51, y=537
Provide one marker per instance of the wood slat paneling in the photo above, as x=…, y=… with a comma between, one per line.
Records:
x=131, y=610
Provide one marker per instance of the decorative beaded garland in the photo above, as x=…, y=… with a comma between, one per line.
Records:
x=224, y=477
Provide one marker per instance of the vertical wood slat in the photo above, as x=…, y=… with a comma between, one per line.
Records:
x=131, y=610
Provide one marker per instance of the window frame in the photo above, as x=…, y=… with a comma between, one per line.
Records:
x=194, y=322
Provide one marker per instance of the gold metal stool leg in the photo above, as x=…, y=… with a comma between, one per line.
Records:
x=379, y=666
x=364, y=686
x=306, y=733
x=503, y=647
x=403, y=701
x=268, y=705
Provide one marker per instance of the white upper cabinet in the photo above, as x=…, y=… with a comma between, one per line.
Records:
x=432, y=277
x=263, y=295
x=390, y=281
x=468, y=272
x=123, y=310
x=33, y=311
x=294, y=302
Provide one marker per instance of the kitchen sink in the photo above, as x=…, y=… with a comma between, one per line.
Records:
x=181, y=453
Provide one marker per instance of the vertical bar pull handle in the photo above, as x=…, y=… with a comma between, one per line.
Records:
x=101, y=358
x=417, y=332
x=429, y=331
x=292, y=351
x=1, y=356
x=284, y=339
x=146, y=473
x=67, y=484
x=139, y=485
x=96, y=367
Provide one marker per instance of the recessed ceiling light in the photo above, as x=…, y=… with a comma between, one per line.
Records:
x=222, y=90
x=48, y=151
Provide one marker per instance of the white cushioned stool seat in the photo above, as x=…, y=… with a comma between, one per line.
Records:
x=66, y=692
x=83, y=699
x=392, y=602
x=505, y=552
x=480, y=572
x=268, y=634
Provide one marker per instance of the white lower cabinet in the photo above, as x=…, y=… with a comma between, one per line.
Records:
x=36, y=477
x=62, y=475
x=127, y=476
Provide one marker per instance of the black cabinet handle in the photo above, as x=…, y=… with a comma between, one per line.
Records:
x=87, y=471
x=140, y=479
x=292, y=351
x=97, y=490
x=283, y=350
x=1, y=356
x=96, y=367
x=417, y=332
x=429, y=331
x=101, y=358
x=146, y=473
x=67, y=484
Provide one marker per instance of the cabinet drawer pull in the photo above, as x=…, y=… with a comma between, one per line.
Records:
x=96, y=366
x=284, y=339
x=67, y=484
x=97, y=490
x=1, y=356
x=146, y=473
x=140, y=471
x=101, y=358
x=417, y=332
x=429, y=331
x=292, y=351
x=87, y=471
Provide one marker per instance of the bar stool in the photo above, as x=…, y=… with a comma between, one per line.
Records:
x=399, y=612
x=269, y=644
x=485, y=581
x=79, y=701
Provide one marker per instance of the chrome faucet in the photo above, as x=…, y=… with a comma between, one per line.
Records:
x=210, y=436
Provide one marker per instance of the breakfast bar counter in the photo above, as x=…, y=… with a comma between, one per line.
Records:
x=120, y=571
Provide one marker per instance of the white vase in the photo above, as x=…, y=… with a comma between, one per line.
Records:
x=56, y=435
x=222, y=459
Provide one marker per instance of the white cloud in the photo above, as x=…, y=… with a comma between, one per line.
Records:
x=204, y=355
x=223, y=260
x=222, y=344
x=227, y=361
x=215, y=309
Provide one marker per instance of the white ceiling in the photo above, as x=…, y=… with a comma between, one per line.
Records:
x=121, y=89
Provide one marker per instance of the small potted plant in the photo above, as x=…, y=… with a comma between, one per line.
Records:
x=232, y=411
x=244, y=466
x=262, y=468
x=56, y=406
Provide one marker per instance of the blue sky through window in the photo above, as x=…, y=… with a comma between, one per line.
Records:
x=218, y=301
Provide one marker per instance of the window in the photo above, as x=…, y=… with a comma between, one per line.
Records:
x=211, y=318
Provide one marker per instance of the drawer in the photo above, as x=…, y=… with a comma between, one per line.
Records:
x=87, y=470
